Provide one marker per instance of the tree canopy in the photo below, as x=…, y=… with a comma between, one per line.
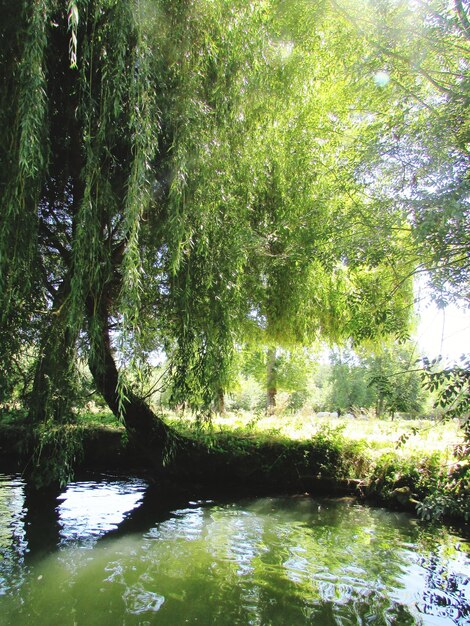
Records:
x=183, y=174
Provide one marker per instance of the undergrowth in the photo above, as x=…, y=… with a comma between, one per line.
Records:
x=422, y=465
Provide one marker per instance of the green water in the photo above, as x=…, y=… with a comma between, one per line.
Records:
x=112, y=554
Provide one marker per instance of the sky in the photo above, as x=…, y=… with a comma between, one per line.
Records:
x=443, y=331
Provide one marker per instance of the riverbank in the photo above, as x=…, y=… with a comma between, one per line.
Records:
x=413, y=465
x=404, y=465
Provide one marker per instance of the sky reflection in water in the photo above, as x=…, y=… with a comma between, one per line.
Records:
x=90, y=509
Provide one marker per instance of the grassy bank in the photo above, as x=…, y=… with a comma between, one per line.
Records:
x=418, y=465
x=415, y=464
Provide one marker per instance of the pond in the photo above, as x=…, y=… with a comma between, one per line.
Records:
x=110, y=551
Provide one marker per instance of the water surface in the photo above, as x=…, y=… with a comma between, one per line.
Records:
x=116, y=555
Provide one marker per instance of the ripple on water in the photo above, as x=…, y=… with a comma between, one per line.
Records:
x=139, y=601
x=266, y=561
x=13, y=544
x=12, y=532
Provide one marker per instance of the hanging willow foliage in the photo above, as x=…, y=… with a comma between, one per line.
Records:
x=179, y=173
x=25, y=136
x=75, y=181
x=122, y=110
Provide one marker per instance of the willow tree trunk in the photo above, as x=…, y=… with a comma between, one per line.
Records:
x=147, y=432
x=54, y=363
x=271, y=382
x=219, y=402
x=379, y=407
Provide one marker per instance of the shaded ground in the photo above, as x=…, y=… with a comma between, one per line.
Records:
x=241, y=460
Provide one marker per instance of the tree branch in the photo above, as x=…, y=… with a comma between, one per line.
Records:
x=464, y=21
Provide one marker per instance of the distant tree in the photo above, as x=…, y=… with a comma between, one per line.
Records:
x=393, y=375
x=349, y=382
x=383, y=377
x=279, y=370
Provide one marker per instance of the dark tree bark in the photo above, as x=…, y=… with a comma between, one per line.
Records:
x=57, y=348
x=146, y=430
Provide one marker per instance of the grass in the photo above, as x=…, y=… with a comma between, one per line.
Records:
x=378, y=437
x=98, y=418
x=404, y=461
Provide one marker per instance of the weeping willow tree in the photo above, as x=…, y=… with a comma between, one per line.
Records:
x=173, y=170
x=113, y=116
x=329, y=254
x=422, y=161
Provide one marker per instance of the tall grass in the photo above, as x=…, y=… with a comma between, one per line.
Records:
x=416, y=464
x=405, y=437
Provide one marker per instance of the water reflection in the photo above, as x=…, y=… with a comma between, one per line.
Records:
x=261, y=561
x=32, y=525
x=11, y=511
x=12, y=532
x=446, y=592
x=89, y=509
